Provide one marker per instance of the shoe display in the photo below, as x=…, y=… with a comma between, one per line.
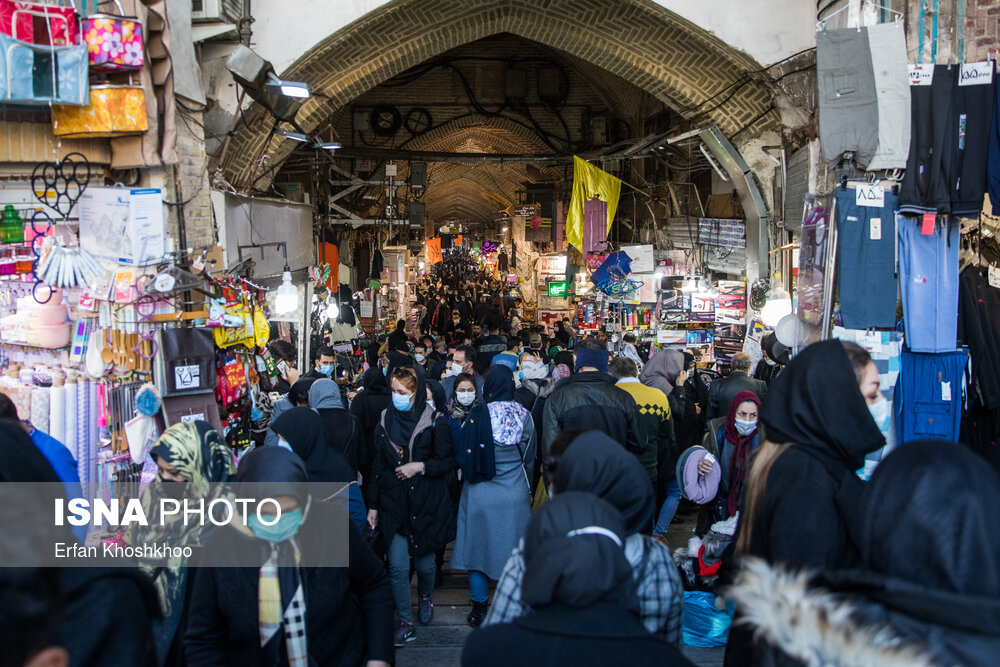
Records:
x=478, y=613
x=404, y=633
x=426, y=612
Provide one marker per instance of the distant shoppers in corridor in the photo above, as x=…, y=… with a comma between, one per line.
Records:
x=721, y=393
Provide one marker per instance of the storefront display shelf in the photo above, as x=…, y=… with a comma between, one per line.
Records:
x=35, y=347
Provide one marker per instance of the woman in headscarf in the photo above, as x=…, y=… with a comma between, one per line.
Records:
x=302, y=431
x=193, y=462
x=731, y=440
x=665, y=371
x=410, y=498
x=343, y=432
x=927, y=591
x=596, y=464
x=463, y=401
x=436, y=395
x=493, y=513
x=121, y=633
x=277, y=605
x=578, y=582
x=368, y=406
x=802, y=492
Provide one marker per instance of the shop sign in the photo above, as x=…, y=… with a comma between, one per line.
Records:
x=523, y=210
x=558, y=288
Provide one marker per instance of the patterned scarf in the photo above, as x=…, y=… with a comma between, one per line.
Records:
x=507, y=422
x=275, y=612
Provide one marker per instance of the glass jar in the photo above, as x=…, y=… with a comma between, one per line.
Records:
x=11, y=226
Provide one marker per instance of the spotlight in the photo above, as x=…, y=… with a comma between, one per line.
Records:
x=296, y=89
x=294, y=136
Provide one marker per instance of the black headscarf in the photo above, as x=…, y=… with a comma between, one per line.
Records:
x=400, y=425
x=306, y=434
x=566, y=358
x=929, y=534
x=299, y=393
x=816, y=404
x=397, y=360
x=596, y=464
x=498, y=385
x=374, y=381
x=440, y=398
x=579, y=570
x=276, y=466
x=20, y=460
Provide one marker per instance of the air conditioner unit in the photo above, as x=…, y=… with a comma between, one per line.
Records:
x=228, y=11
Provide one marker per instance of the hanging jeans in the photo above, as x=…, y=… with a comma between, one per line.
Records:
x=866, y=251
x=399, y=573
x=928, y=279
x=928, y=396
x=848, y=107
x=887, y=47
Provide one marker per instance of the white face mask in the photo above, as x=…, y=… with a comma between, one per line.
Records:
x=419, y=357
x=881, y=412
x=465, y=398
x=454, y=368
x=744, y=427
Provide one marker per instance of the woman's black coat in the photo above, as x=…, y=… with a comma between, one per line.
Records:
x=348, y=609
x=425, y=497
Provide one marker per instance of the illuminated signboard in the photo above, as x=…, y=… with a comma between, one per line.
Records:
x=558, y=288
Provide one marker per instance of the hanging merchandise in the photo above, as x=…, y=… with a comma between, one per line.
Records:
x=114, y=111
x=979, y=328
x=848, y=107
x=188, y=360
x=46, y=25
x=34, y=74
x=969, y=128
x=928, y=396
x=925, y=185
x=866, y=251
x=590, y=182
x=811, y=304
x=993, y=153
x=114, y=42
x=928, y=278
x=595, y=215
x=887, y=50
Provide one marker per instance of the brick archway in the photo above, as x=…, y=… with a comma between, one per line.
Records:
x=670, y=58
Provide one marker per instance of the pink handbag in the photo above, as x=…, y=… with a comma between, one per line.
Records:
x=114, y=43
x=46, y=25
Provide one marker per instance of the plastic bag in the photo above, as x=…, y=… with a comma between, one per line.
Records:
x=704, y=625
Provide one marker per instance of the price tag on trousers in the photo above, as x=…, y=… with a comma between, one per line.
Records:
x=869, y=195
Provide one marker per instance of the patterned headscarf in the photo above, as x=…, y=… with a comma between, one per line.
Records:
x=202, y=459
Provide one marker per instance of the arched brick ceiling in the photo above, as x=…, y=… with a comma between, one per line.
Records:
x=642, y=43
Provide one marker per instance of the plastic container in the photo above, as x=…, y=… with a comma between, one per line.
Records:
x=48, y=315
x=11, y=226
x=53, y=335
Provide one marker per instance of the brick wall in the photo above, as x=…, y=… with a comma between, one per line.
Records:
x=982, y=28
x=199, y=223
x=675, y=61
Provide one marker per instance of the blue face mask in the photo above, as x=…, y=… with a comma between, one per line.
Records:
x=285, y=528
x=385, y=371
x=326, y=369
x=284, y=444
x=402, y=403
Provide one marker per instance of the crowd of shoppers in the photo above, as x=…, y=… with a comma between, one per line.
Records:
x=555, y=471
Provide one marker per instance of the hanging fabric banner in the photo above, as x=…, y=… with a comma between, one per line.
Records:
x=433, y=250
x=588, y=182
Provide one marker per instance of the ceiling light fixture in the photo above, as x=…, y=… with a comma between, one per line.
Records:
x=326, y=145
x=296, y=89
x=294, y=136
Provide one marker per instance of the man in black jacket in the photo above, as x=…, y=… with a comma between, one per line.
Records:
x=722, y=391
x=589, y=400
x=491, y=346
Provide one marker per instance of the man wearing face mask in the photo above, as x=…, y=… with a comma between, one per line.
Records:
x=324, y=364
x=463, y=361
x=420, y=355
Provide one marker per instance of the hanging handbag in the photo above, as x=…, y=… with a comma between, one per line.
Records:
x=114, y=111
x=33, y=74
x=188, y=360
x=45, y=25
x=114, y=43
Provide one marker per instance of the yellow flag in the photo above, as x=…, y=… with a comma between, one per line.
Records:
x=588, y=181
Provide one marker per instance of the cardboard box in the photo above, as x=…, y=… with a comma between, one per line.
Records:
x=122, y=225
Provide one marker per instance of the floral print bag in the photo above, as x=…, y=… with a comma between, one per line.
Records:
x=114, y=43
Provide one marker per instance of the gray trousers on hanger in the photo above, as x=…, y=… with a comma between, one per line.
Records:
x=848, y=107
x=887, y=46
